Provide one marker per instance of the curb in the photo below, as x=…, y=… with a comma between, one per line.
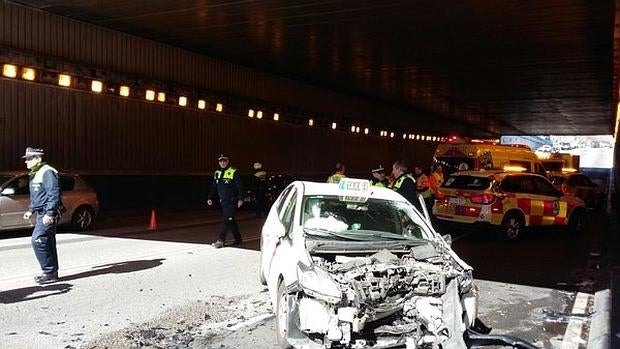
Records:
x=600, y=336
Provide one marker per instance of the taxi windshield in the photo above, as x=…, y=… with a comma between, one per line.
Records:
x=332, y=218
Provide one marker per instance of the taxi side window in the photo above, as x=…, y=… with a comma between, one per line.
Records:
x=289, y=213
x=545, y=188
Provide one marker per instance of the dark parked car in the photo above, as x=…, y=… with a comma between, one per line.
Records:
x=578, y=184
x=274, y=186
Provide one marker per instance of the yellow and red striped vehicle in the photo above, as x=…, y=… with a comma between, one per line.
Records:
x=507, y=200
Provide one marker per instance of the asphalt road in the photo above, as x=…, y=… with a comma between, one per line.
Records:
x=121, y=275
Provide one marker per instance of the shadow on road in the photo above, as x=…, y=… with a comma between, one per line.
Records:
x=22, y=294
x=116, y=268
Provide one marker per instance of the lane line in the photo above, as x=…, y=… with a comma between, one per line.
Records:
x=572, y=336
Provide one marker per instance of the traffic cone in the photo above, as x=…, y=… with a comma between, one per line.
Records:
x=153, y=224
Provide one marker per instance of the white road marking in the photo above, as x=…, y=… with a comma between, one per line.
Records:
x=572, y=337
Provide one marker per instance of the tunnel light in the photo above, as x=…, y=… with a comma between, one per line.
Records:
x=404, y=136
x=366, y=131
x=276, y=116
x=64, y=80
x=251, y=113
x=310, y=122
x=183, y=101
x=357, y=129
x=9, y=70
x=259, y=114
x=202, y=104
x=219, y=107
x=96, y=86
x=334, y=125
x=149, y=95
x=124, y=91
x=161, y=96
x=353, y=128
x=29, y=74
x=391, y=134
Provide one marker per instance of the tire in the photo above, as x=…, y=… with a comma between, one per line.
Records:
x=83, y=218
x=577, y=222
x=281, y=317
x=512, y=226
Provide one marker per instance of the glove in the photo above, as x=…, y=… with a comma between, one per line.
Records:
x=47, y=220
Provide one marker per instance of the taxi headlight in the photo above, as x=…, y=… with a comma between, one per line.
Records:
x=317, y=283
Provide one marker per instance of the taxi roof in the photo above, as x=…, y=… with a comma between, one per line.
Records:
x=320, y=188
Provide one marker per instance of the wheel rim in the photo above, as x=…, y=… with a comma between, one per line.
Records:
x=83, y=219
x=512, y=228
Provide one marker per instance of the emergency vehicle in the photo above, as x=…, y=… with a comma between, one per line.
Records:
x=508, y=202
x=559, y=162
x=462, y=155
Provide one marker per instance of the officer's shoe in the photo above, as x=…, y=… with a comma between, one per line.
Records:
x=218, y=244
x=237, y=242
x=46, y=278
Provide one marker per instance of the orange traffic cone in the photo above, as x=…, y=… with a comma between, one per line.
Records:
x=153, y=223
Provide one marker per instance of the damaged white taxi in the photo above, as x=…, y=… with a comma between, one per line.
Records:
x=350, y=265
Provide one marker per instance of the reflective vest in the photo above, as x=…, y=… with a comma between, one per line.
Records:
x=224, y=176
x=423, y=185
x=378, y=183
x=336, y=177
x=400, y=181
x=262, y=175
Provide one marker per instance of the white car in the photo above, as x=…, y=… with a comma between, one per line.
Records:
x=350, y=265
x=79, y=199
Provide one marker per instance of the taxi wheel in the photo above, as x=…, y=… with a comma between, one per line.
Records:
x=281, y=317
x=512, y=226
x=82, y=218
x=577, y=222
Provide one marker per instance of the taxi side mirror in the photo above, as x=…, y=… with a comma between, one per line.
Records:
x=8, y=191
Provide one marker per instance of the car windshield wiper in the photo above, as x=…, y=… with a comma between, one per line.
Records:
x=328, y=233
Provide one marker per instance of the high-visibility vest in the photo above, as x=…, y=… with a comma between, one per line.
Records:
x=400, y=181
x=336, y=177
x=422, y=183
x=224, y=176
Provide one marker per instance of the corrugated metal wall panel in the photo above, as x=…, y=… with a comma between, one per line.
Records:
x=47, y=34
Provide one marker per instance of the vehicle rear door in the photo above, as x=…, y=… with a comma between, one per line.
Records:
x=553, y=209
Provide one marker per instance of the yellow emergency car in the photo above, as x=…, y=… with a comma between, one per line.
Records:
x=509, y=201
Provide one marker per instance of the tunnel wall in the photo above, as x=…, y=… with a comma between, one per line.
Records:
x=105, y=134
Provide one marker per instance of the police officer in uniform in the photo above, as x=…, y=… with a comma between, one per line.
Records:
x=379, y=179
x=227, y=186
x=338, y=175
x=45, y=202
x=404, y=184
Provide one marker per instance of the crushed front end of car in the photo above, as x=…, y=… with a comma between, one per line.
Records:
x=423, y=297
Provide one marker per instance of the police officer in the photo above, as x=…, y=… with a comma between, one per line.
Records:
x=259, y=186
x=227, y=185
x=379, y=179
x=404, y=184
x=338, y=175
x=45, y=202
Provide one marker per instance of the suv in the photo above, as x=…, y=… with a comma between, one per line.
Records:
x=79, y=199
x=578, y=184
x=508, y=201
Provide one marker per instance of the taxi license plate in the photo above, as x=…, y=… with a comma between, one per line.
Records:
x=457, y=201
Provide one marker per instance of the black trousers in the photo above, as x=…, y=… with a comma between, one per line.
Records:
x=229, y=207
x=44, y=245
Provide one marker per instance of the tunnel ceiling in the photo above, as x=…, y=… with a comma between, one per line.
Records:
x=509, y=66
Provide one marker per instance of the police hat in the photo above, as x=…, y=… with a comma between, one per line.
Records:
x=30, y=152
x=378, y=169
x=222, y=157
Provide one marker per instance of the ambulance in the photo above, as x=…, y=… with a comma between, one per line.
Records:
x=472, y=155
x=559, y=162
